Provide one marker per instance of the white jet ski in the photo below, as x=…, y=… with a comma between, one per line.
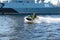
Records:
x=31, y=19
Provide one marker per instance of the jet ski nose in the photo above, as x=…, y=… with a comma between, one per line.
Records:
x=29, y=19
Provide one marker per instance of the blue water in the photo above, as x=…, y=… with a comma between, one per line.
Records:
x=12, y=27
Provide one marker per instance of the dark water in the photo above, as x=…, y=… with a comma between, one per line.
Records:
x=12, y=27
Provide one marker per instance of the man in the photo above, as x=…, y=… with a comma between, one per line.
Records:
x=31, y=17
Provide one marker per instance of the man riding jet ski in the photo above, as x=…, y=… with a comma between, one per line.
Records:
x=31, y=18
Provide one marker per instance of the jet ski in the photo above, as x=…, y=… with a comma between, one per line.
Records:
x=31, y=18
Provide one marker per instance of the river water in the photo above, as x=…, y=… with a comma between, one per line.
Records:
x=12, y=27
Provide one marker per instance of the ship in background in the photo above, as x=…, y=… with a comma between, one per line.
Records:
x=30, y=6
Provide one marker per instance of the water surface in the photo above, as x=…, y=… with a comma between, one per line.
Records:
x=12, y=27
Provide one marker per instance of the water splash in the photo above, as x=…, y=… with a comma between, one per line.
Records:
x=48, y=19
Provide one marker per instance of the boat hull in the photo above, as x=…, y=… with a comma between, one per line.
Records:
x=32, y=8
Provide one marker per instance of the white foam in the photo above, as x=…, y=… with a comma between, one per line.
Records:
x=49, y=19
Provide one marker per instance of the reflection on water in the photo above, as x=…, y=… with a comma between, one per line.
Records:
x=12, y=27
